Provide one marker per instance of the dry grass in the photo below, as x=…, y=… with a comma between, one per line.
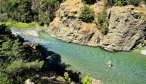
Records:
x=56, y=22
x=88, y=25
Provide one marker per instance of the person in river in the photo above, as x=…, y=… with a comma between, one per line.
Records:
x=109, y=63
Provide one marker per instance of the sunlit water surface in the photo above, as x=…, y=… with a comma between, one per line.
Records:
x=128, y=67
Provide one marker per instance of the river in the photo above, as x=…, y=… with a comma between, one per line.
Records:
x=127, y=67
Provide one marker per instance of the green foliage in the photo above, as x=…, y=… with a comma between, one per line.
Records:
x=144, y=1
x=15, y=55
x=87, y=14
x=102, y=21
x=89, y=1
x=120, y=2
x=19, y=10
x=19, y=24
x=66, y=76
x=4, y=79
x=86, y=80
x=134, y=2
x=124, y=2
x=42, y=11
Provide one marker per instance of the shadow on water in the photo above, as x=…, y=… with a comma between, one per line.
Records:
x=52, y=62
x=128, y=67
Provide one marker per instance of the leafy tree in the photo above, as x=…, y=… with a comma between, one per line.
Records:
x=12, y=50
x=16, y=49
x=42, y=11
x=4, y=79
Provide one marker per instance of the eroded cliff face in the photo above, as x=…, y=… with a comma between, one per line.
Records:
x=68, y=27
x=126, y=26
x=126, y=29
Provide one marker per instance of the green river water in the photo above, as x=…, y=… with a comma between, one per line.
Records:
x=128, y=67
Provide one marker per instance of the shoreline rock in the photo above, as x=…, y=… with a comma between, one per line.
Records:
x=126, y=27
x=143, y=52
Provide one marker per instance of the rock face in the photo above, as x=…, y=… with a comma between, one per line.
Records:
x=126, y=29
x=67, y=27
x=126, y=26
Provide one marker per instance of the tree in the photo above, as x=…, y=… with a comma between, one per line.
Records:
x=16, y=49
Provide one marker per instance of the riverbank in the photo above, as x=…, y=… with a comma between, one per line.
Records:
x=123, y=30
x=23, y=25
x=30, y=62
x=93, y=61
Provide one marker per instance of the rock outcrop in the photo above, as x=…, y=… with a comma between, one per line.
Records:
x=67, y=27
x=126, y=26
x=126, y=29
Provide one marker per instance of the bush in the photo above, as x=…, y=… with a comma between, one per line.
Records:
x=87, y=14
x=144, y=1
x=120, y=2
x=89, y=1
x=86, y=80
x=66, y=76
x=102, y=21
x=4, y=79
x=123, y=2
x=134, y=2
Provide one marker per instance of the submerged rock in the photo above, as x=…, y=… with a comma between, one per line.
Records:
x=94, y=81
x=109, y=63
x=143, y=52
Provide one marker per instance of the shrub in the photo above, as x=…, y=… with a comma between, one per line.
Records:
x=66, y=76
x=134, y=2
x=86, y=80
x=102, y=21
x=87, y=14
x=144, y=1
x=120, y=2
x=123, y=2
x=89, y=1
x=4, y=78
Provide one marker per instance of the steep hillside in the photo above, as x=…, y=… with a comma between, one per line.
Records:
x=123, y=29
x=41, y=11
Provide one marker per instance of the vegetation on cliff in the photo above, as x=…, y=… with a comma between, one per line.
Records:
x=102, y=21
x=125, y=2
x=96, y=24
x=87, y=14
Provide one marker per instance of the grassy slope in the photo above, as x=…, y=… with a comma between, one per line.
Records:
x=19, y=24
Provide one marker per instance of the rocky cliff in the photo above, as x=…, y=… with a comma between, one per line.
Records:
x=126, y=26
